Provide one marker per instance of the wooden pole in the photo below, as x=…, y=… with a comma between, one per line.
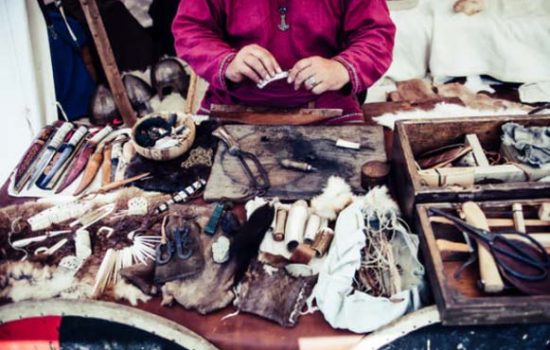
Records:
x=95, y=23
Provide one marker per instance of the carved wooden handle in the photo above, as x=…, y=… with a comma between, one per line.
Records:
x=488, y=269
x=59, y=136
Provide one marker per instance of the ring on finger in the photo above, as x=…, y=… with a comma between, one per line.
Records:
x=311, y=82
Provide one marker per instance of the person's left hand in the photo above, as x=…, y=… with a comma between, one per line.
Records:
x=318, y=74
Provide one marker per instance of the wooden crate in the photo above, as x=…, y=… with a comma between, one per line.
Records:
x=413, y=137
x=460, y=301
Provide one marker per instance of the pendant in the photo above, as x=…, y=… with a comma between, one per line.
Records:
x=283, y=26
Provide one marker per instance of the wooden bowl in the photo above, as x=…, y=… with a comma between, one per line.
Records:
x=171, y=152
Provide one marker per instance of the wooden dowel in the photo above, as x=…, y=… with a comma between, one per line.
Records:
x=497, y=222
x=488, y=269
x=95, y=23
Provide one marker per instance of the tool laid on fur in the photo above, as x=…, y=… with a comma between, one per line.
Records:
x=295, y=165
x=181, y=196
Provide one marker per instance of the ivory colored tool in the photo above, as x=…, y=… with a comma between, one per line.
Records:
x=490, y=275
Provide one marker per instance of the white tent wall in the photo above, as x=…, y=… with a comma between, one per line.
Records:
x=27, y=93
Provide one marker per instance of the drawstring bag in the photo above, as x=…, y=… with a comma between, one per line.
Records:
x=347, y=308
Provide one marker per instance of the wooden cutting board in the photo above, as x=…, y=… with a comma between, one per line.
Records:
x=313, y=144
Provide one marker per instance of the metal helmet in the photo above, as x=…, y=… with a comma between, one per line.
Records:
x=103, y=109
x=169, y=76
x=139, y=93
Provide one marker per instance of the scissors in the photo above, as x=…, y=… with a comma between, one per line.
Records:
x=261, y=184
x=496, y=243
x=182, y=246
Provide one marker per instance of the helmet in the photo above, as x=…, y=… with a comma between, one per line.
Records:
x=168, y=76
x=103, y=109
x=139, y=93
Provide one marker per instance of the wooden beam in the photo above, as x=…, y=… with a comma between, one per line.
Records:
x=95, y=23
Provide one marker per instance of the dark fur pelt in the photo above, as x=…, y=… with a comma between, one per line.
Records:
x=247, y=241
x=271, y=293
x=169, y=176
x=211, y=289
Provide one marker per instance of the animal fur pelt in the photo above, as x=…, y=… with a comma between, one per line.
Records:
x=40, y=278
x=211, y=289
x=469, y=7
x=171, y=177
x=271, y=293
x=247, y=241
x=335, y=197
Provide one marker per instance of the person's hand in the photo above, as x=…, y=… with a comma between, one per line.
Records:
x=254, y=62
x=318, y=74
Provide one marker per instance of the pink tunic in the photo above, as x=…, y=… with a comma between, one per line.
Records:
x=357, y=33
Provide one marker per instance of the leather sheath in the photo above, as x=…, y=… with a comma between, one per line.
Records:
x=322, y=241
x=436, y=158
x=32, y=153
x=77, y=166
x=106, y=167
x=90, y=172
x=302, y=254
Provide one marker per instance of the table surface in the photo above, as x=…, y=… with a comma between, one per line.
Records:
x=245, y=331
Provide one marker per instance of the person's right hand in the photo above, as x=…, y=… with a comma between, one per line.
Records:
x=253, y=62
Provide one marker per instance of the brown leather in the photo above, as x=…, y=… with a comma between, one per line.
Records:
x=140, y=275
x=442, y=157
x=270, y=116
x=77, y=166
x=32, y=153
x=322, y=241
x=374, y=173
x=302, y=254
x=90, y=172
x=273, y=294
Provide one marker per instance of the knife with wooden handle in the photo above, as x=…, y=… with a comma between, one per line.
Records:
x=488, y=269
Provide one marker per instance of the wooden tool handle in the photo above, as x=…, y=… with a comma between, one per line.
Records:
x=490, y=276
x=449, y=246
x=226, y=137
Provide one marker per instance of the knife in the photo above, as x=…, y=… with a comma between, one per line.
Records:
x=116, y=155
x=22, y=173
x=106, y=166
x=50, y=151
x=47, y=180
x=81, y=159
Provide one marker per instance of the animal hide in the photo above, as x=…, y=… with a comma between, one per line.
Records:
x=271, y=293
x=335, y=197
x=211, y=289
x=171, y=177
x=40, y=278
x=469, y=7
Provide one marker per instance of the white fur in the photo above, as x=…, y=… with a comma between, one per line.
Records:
x=123, y=290
x=335, y=197
x=443, y=110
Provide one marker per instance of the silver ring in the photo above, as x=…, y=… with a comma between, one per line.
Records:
x=311, y=82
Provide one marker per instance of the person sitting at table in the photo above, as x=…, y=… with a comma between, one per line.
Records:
x=333, y=50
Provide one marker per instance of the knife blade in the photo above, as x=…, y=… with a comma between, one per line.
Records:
x=50, y=151
x=46, y=181
x=82, y=157
x=34, y=152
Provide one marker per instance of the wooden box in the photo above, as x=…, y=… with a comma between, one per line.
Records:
x=460, y=301
x=414, y=137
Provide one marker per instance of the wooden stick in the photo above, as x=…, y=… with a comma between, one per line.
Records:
x=488, y=269
x=519, y=220
x=446, y=246
x=95, y=23
x=495, y=222
x=479, y=155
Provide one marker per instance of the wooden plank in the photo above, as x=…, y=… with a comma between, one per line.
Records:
x=313, y=144
x=95, y=23
x=479, y=155
x=270, y=116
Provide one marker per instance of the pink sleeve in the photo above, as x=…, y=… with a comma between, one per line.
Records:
x=198, y=37
x=368, y=37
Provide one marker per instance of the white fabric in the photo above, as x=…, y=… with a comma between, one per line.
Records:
x=441, y=111
x=509, y=41
x=27, y=93
x=536, y=92
x=343, y=307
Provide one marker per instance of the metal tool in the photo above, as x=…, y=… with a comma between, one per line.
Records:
x=51, y=250
x=501, y=246
x=50, y=151
x=27, y=241
x=181, y=196
x=66, y=150
x=296, y=165
x=181, y=247
x=259, y=185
